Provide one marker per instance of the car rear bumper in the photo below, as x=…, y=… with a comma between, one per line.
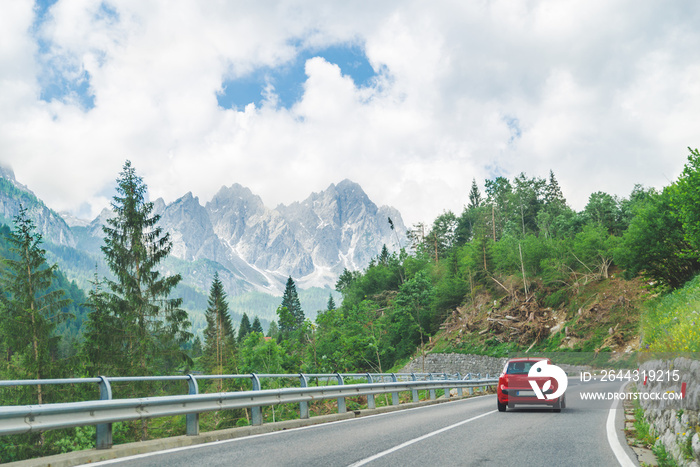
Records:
x=513, y=396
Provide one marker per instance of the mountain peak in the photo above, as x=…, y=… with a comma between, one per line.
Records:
x=236, y=198
x=236, y=190
x=188, y=198
x=348, y=184
x=350, y=190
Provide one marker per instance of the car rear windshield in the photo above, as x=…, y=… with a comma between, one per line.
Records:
x=519, y=368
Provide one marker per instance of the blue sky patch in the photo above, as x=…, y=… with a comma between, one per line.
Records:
x=288, y=80
x=72, y=88
x=514, y=126
x=42, y=7
x=59, y=78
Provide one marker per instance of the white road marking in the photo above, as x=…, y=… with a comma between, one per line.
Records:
x=613, y=440
x=415, y=440
x=272, y=433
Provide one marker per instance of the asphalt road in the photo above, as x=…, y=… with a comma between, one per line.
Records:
x=464, y=432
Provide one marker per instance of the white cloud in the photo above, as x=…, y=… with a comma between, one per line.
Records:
x=604, y=93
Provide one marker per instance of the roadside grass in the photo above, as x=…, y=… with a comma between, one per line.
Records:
x=643, y=433
x=642, y=429
x=662, y=456
x=671, y=323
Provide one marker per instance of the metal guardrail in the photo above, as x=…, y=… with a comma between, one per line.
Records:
x=104, y=412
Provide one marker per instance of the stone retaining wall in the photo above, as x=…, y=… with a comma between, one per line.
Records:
x=676, y=423
x=456, y=363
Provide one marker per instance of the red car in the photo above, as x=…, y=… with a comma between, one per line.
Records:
x=515, y=385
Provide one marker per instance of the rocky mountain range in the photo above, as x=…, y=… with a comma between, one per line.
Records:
x=253, y=247
x=50, y=224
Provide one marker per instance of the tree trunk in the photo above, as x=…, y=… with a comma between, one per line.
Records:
x=35, y=343
x=493, y=221
x=522, y=266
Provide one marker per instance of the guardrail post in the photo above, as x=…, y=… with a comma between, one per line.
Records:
x=416, y=397
x=303, y=406
x=447, y=390
x=370, y=397
x=192, y=419
x=341, y=400
x=103, y=438
x=432, y=391
x=394, y=395
x=459, y=389
x=256, y=412
x=471, y=389
x=486, y=388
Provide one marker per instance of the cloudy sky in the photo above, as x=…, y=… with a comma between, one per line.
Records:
x=411, y=99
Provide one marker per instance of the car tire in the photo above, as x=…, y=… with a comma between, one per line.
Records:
x=501, y=407
x=556, y=408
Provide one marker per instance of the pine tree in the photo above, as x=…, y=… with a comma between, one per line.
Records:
x=31, y=309
x=257, y=326
x=384, y=256
x=219, y=340
x=244, y=329
x=554, y=198
x=331, y=303
x=475, y=199
x=290, y=301
x=153, y=326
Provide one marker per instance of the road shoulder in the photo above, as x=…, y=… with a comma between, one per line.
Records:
x=91, y=456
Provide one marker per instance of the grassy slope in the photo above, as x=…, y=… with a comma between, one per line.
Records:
x=671, y=323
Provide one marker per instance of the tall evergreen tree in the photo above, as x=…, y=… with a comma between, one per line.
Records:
x=153, y=326
x=244, y=329
x=475, y=198
x=31, y=307
x=290, y=301
x=384, y=256
x=257, y=326
x=331, y=303
x=219, y=340
x=554, y=198
x=472, y=213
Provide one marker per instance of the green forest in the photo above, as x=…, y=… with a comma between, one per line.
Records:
x=516, y=250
